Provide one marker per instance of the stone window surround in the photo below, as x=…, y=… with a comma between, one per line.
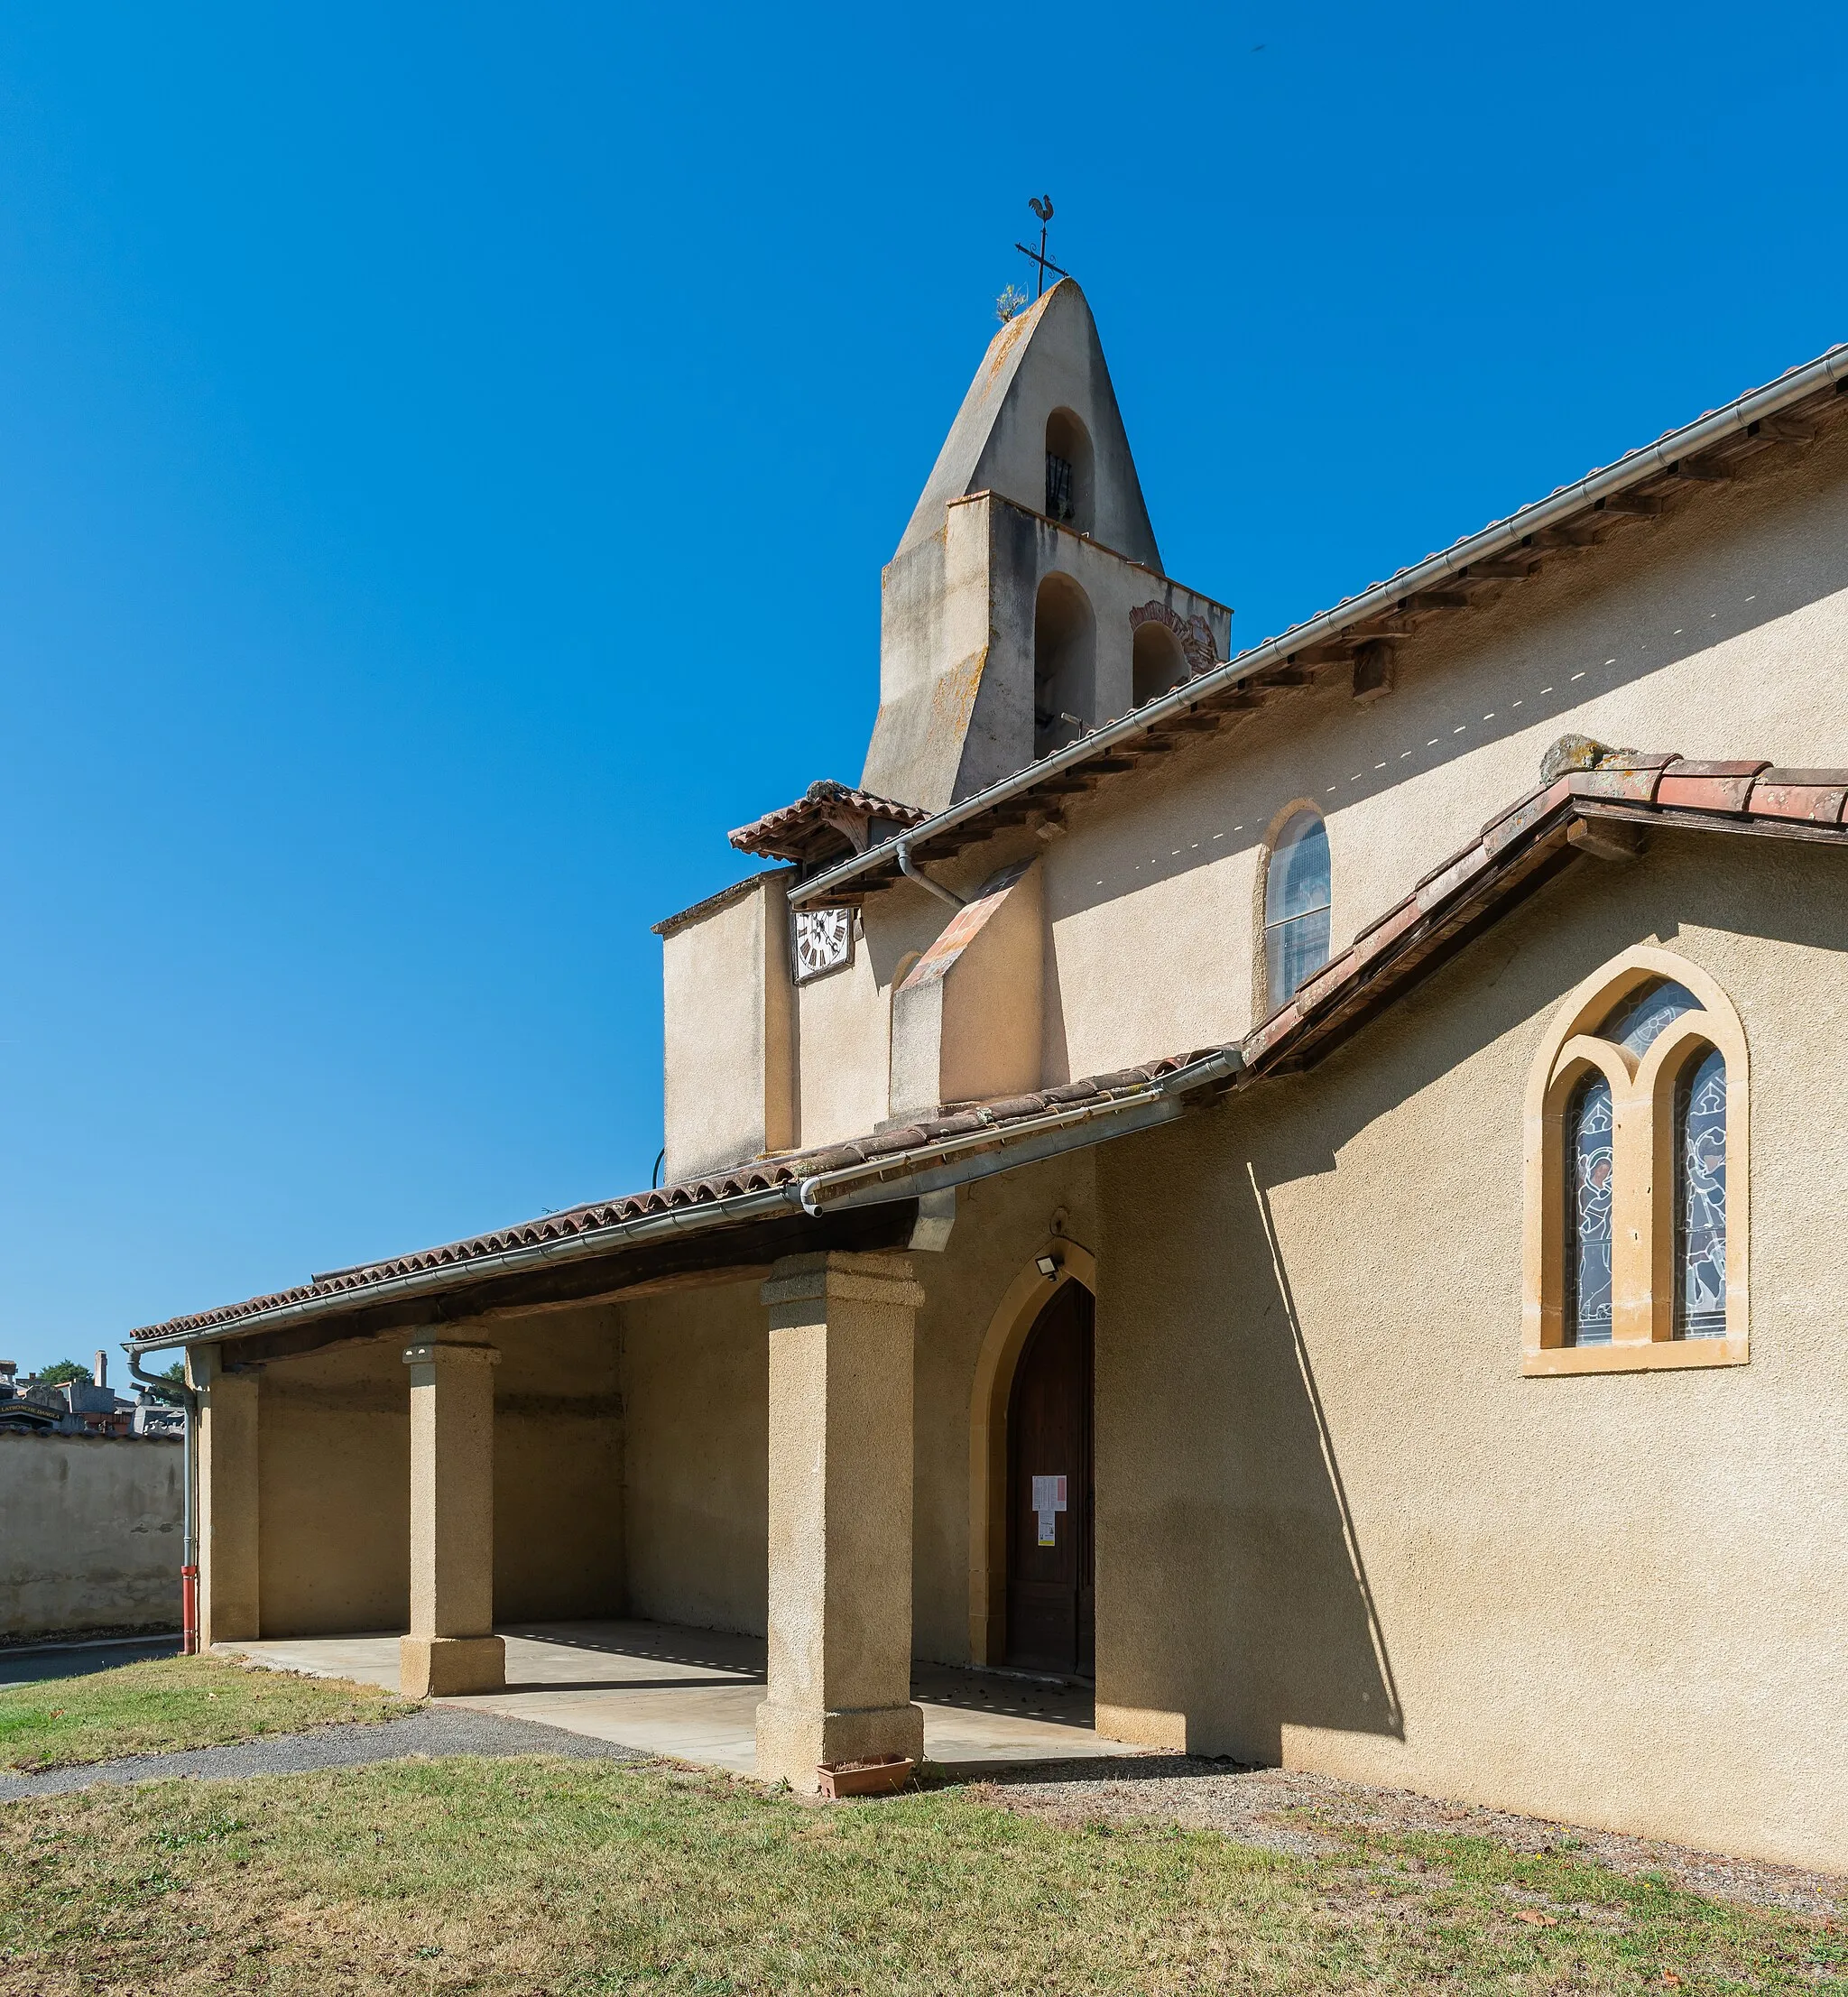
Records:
x=1642, y=1095
x=1281, y=819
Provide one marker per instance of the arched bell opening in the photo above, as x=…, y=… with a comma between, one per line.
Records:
x=1064, y=664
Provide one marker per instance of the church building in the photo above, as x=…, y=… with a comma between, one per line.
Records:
x=1281, y=1185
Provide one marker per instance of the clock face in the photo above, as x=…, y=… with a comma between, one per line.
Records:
x=824, y=940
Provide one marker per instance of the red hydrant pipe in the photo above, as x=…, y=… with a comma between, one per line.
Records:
x=187, y=1399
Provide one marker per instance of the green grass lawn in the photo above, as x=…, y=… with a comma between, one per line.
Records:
x=168, y=1703
x=543, y=1878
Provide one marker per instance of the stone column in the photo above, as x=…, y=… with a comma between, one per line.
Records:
x=840, y=1515
x=227, y=1499
x=452, y=1647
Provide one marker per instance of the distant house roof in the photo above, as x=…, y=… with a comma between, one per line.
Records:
x=1357, y=633
x=1593, y=800
x=828, y=821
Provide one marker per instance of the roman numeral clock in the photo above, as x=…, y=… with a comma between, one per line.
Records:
x=823, y=941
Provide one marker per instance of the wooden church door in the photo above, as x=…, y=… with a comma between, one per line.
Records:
x=1050, y=1593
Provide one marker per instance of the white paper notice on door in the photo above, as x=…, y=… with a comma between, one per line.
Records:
x=1049, y=1501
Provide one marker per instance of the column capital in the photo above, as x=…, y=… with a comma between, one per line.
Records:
x=427, y=1352
x=835, y=1276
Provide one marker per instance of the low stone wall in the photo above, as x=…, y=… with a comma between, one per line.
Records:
x=90, y=1532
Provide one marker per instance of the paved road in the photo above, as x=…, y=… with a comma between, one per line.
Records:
x=436, y=1730
x=30, y=1666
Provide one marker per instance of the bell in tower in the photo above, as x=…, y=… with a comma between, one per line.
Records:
x=1027, y=604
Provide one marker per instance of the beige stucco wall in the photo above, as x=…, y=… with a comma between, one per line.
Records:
x=334, y=1492
x=334, y=1479
x=1716, y=631
x=91, y=1532
x=965, y=1019
x=844, y=1018
x=1337, y=1527
x=558, y=1466
x=729, y=1073
x=844, y=1021
x=695, y=1383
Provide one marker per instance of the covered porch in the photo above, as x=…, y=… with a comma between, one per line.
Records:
x=719, y=1516
x=693, y=1695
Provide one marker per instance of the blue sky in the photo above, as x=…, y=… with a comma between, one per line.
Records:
x=447, y=455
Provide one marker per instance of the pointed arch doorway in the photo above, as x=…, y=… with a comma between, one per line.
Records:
x=1051, y=1591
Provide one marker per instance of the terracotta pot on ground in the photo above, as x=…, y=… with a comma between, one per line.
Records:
x=882, y=1776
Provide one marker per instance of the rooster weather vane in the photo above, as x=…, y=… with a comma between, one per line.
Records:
x=1041, y=205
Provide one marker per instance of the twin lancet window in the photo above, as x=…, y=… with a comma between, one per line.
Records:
x=1636, y=1194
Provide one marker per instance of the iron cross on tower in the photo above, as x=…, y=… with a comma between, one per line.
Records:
x=1041, y=205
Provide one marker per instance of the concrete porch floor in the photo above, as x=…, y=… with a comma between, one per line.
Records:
x=693, y=1694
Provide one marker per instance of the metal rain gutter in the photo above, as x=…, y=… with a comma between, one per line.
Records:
x=1648, y=462
x=999, y=1148
x=583, y=1247
x=928, y=1167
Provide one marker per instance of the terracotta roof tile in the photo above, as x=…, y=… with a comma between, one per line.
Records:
x=1311, y=993
x=828, y=821
x=1451, y=877
x=1799, y=794
x=1515, y=850
x=1708, y=786
x=1386, y=931
x=1624, y=781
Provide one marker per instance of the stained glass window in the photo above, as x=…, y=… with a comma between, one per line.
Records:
x=1700, y=1199
x=1589, y=1129
x=1642, y=1018
x=1297, y=898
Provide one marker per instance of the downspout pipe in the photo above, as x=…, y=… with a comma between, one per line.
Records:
x=913, y=872
x=187, y=1401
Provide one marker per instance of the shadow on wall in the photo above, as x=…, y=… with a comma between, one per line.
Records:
x=1591, y=626
x=1515, y=974
x=1232, y=1588
x=1379, y=1685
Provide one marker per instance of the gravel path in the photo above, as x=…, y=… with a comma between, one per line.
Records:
x=435, y=1730
x=1276, y=1809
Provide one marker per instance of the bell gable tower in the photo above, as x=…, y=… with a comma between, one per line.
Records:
x=1014, y=614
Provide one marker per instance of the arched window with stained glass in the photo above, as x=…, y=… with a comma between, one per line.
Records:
x=1700, y=1197
x=1298, y=896
x=1588, y=1251
x=1636, y=1175
x=1641, y=1019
